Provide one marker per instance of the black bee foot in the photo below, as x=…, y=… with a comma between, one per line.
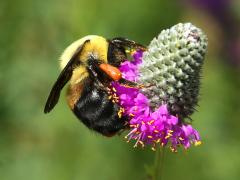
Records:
x=130, y=84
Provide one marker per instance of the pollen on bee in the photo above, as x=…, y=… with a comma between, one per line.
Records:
x=120, y=112
x=127, y=51
x=132, y=51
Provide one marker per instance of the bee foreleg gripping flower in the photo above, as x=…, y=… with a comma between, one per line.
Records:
x=169, y=71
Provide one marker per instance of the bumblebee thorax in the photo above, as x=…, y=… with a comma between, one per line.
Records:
x=97, y=48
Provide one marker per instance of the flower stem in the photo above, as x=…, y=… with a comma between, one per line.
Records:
x=158, y=164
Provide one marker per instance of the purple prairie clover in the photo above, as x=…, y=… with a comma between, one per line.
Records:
x=150, y=127
x=159, y=124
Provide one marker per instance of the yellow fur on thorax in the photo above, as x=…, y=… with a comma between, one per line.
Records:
x=98, y=47
x=79, y=74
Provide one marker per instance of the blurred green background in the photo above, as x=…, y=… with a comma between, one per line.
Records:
x=35, y=146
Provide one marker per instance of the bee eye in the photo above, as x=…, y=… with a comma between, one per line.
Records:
x=113, y=72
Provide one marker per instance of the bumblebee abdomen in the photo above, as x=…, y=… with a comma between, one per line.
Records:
x=98, y=112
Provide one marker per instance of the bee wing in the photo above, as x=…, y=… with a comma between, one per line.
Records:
x=63, y=78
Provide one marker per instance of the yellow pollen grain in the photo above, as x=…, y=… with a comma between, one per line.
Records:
x=180, y=138
x=143, y=123
x=142, y=144
x=162, y=144
x=168, y=136
x=156, y=131
x=119, y=114
x=152, y=121
x=131, y=114
x=114, y=89
x=153, y=148
x=132, y=51
x=198, y=143
x=173, y=149
x=150, y=137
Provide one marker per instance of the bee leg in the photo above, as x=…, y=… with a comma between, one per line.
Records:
x=95, y=75
x=128, y=43
x=130, y=84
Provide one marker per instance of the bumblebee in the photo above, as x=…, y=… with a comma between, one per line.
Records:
x=90, y=64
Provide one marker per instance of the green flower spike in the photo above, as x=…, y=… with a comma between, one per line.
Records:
x=171, y=68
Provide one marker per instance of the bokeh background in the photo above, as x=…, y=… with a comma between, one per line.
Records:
x=35, y=146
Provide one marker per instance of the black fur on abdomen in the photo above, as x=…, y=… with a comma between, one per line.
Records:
x=97, y=112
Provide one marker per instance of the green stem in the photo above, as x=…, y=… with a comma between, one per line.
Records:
x=158, y=164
